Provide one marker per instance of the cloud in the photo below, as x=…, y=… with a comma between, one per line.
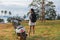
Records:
x=15, y=2
x=15, y=6
x=20, y=10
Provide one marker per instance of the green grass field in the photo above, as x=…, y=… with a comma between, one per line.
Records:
x=50, y=30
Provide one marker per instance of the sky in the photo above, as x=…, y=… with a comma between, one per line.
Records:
x=17, y=7
x=21, y=7
x=15, y=2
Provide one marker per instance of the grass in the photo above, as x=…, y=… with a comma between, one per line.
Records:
x=50, y=30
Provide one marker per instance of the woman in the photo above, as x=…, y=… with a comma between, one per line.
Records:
x=32, y=21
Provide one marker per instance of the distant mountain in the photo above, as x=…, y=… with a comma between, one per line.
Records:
x=5, y=16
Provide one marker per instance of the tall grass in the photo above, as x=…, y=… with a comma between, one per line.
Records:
x=50, y=30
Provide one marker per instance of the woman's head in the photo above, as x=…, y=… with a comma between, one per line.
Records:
x=32, y=10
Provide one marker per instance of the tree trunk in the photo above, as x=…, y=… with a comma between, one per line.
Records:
x=43, y=11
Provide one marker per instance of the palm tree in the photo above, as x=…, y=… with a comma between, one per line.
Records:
x=5, y=12
x=1, y=11
x=9, y=12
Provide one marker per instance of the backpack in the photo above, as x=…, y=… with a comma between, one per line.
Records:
x=33, y=18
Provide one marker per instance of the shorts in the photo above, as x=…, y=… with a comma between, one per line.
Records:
x=32, y=23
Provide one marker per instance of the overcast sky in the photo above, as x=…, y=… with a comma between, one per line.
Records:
x=15, y=2
x=17, y=7
x=20, y=7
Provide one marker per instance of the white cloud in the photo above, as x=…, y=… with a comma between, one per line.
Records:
x=16, y=6
x=15, y=2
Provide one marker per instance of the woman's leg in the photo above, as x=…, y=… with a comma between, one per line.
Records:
x=33, y=29
x=30, y=30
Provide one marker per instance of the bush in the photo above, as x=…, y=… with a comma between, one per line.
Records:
x=1, y=20
x=9, y=19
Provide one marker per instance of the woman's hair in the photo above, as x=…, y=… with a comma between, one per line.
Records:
x=32, y=10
